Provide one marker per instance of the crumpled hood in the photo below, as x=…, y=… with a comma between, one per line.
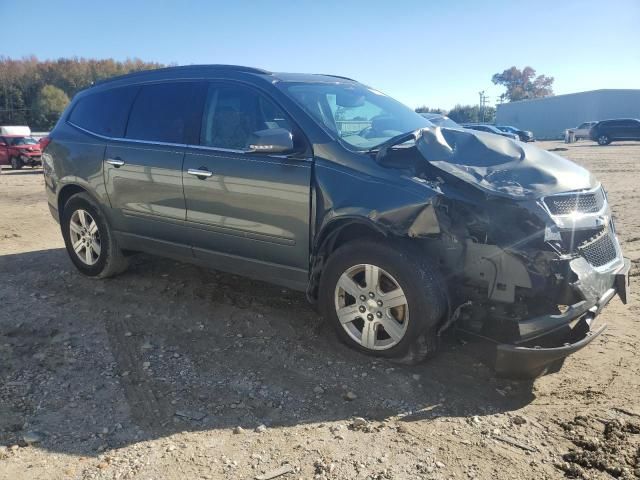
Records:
x=500, y=165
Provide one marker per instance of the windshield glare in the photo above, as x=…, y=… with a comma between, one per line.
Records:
x=23, y=141
x=361, y=117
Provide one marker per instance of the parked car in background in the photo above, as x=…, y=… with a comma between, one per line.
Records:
x=523, y=135
x=607, y=131
x=581, y=131
x=490, y=129
x=441, y=120
x=396, y=230
x=19, y=151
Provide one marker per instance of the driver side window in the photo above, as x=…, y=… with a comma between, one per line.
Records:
x=233, y=113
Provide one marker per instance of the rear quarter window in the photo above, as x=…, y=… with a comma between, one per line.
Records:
x=104, y=113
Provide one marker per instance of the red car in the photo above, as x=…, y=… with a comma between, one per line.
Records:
x=19, y=150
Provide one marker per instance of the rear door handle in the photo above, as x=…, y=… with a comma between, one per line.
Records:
x=199, y=173
x=116, y=162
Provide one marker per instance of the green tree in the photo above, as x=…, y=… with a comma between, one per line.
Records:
x=523, y=84
x=472, y=114
x=47, y=107
x=13, y=110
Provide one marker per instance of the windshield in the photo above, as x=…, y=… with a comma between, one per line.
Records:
x=23, y=141
x=445, y=122
x=361, y=117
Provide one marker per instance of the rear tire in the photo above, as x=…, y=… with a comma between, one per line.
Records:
x=16, y=163
x=90, y=242
x=375, y=320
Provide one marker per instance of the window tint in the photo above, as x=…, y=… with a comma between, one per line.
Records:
x=104, y=112
x=165, y=112
x=233, y=113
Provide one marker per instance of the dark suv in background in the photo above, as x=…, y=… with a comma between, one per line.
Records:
x=523, y=135
x=607, y=131
x=398, y=229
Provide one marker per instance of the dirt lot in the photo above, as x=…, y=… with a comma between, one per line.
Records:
x=148, y=375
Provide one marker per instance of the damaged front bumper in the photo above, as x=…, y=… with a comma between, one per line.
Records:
x=547, y=340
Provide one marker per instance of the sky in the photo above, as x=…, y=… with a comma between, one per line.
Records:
x=429, y=52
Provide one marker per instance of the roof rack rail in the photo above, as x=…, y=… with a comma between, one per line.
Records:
x=336, y=76
x=234, y=68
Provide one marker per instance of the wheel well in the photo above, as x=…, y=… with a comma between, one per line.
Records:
x=338, y=235
x=65, y=194
x=353, y=231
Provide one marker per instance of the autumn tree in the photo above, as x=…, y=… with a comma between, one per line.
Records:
x=523, y=84
x=27, y=95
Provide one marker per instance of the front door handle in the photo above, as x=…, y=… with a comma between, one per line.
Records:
x=202, y=174
x=116, y=162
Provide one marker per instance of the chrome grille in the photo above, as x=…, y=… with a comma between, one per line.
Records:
x=599, y=250
x=589, y=202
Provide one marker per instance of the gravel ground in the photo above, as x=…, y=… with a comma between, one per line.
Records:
x=173, y=371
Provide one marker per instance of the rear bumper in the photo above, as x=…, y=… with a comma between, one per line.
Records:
x=545, y=352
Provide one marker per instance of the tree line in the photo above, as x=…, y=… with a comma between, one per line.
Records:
x=34, y=92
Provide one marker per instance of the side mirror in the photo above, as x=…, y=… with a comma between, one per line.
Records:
x=272, y=140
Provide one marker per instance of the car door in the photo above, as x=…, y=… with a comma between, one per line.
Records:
x=617, y=130
x=248, y=212
x=143, y=170
x=582, y=130
x=630, y=129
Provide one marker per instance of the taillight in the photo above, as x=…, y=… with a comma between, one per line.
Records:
x=44, y=142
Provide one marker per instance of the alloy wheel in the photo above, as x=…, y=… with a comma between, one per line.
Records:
x=371, y=307
x=85, y=237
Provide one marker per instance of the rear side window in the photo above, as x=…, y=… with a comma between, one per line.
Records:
x=104, y=113
x=166, y=112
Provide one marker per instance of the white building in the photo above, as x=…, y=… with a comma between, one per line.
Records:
x=548, y=117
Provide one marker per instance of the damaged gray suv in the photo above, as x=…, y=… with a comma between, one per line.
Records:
x=396, y=228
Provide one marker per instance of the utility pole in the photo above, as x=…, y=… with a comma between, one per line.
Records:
x=482, y=105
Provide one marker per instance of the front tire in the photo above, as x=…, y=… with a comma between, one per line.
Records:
x=16, y=163
x=384, y=300
x=603, y=140
x=89, y=240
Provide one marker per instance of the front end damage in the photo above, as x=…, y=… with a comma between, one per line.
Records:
x=524, y=237
x=530, y=253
